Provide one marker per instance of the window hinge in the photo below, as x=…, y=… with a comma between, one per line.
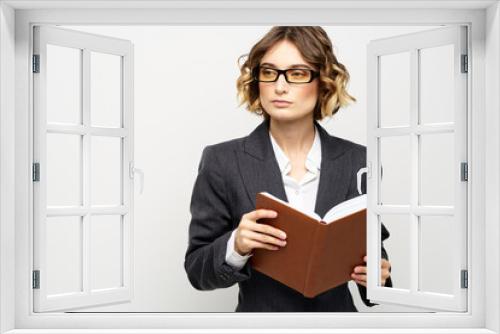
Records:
x=464, y=279
x=36, y=63
x=36, y=172
x=465, y=66
x=464, y=172
x=36, y=279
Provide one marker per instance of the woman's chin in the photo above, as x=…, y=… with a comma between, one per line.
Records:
x=285, y=115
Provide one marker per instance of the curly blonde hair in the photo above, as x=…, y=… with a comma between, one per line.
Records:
x=316, y=48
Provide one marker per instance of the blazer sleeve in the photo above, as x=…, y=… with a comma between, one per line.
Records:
x=210, y=229
x=359, y=161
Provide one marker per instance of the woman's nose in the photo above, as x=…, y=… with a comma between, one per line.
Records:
x=281, y=83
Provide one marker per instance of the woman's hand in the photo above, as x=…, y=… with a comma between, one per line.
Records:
x=359, y=273
x=250, y=234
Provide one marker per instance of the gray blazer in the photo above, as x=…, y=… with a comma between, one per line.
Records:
x=230, y=174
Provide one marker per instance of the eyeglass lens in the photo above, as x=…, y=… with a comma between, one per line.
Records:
x=292, y=75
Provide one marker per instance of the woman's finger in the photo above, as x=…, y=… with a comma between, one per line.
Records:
x=256, y=244
x=359, y=276
x=264, y=238
x=267, y=229
x=360, y=281
x=360, y=270
x=260, y=213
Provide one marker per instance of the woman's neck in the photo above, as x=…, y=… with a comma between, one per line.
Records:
x=294, y=138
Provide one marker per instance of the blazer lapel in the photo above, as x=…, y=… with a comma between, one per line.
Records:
x=260, y=170
x=335, y=172
x=258, y=165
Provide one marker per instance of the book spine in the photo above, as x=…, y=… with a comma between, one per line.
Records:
x=312, y=258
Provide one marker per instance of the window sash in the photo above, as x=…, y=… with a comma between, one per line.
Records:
x=85, y=43
x=412, y=132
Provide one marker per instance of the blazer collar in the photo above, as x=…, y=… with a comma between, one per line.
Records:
x=258, y=143
x=260, y=170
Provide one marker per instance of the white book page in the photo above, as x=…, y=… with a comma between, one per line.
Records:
x=346, y=208
x=313, y=215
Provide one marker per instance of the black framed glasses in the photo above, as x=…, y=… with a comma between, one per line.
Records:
x=292, y=75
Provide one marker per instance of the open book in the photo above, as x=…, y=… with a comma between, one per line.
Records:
x=320, y=253
x=338, y=211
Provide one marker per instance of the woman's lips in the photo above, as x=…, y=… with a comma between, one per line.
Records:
x=281, y=103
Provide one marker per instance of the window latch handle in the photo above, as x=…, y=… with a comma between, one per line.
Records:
x=140, y=172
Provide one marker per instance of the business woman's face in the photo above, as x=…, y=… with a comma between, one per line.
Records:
x=302, y=97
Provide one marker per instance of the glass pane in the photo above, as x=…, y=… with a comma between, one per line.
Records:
x=105, y=91
x=64, y=160
x=106, y=251
x=63, y=84
x=64, y=254
x=394, y=88
x=436, y=84
x=397, y=246
x=106, y=170
x=437, y=250
x=437, y=169
x=395, y=170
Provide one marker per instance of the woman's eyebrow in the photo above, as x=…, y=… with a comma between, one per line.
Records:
x=291, y=66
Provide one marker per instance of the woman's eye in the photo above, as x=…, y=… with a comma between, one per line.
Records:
x=299, y=73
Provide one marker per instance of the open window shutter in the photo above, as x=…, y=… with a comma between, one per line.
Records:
x=417, y=157
x=82, y=170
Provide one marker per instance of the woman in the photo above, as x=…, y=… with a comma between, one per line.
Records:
x=293, y=79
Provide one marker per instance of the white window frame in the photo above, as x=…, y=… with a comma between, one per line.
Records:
x=16, y=298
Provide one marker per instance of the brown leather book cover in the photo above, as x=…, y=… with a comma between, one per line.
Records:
x=318, y=256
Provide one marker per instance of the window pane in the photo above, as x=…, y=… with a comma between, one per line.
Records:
x=398, y=248
x=437, y=169
x=106, y=171
x=436, y=84
x=106, y=251
x=64, y=254
x=63, y=84
x=395, y=174
x=437, y=250
x=395, y=90
x=64, y=169
x=105, y=91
